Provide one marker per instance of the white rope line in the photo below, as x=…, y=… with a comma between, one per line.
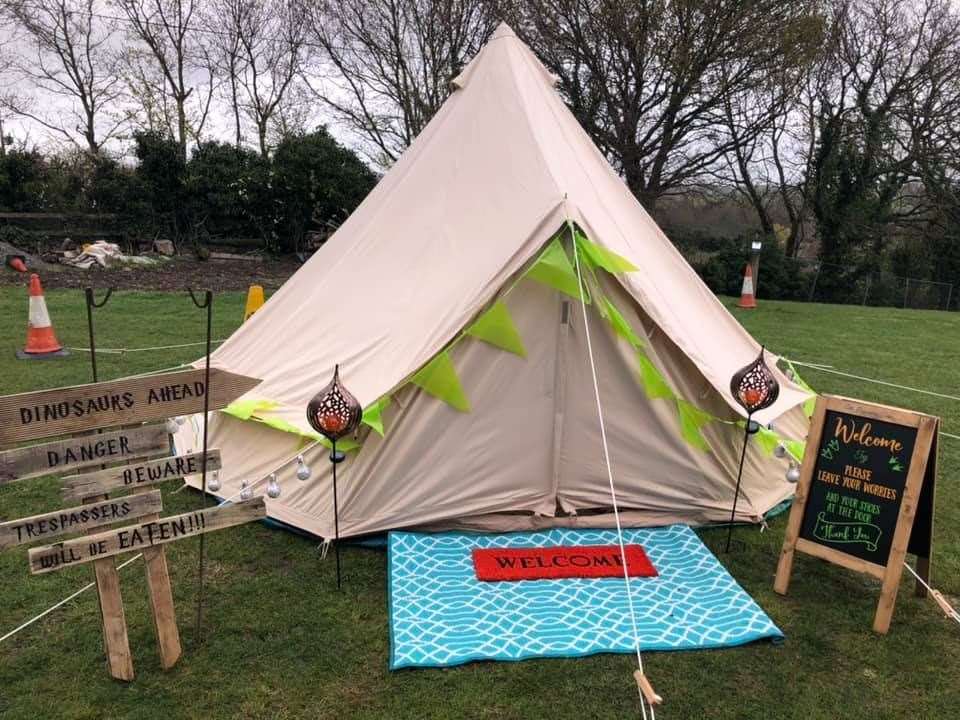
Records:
x=954, y=615
x=829, y=369
x=50, y=609
x=122, y=351
x=606, y=457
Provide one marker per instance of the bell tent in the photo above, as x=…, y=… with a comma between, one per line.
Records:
x=454, y=301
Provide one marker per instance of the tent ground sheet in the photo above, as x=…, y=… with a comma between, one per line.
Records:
x=441, y=615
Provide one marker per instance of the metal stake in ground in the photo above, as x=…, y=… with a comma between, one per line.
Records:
x=755, y=388
x=334, y=413
x=207, y=304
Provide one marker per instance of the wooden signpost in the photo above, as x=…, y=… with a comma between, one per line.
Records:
x=137, y=475
x=865, y=495
x=145, y=535
x=35, y=415
x=79, y=452
x=130, y=402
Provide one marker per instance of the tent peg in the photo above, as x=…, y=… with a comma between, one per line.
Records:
x=646, y=689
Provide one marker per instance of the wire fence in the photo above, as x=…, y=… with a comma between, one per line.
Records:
x=850, y=285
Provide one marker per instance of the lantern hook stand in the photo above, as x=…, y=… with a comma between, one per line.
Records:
x=207, y=305
x=91, y=304
x=336, y=458
x=750, y=428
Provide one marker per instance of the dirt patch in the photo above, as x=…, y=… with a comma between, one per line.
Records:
x=178, y=273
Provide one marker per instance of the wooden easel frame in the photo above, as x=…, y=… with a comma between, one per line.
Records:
x=890, y=574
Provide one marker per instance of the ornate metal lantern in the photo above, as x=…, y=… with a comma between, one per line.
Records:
x=754, y=386
x=334, y=412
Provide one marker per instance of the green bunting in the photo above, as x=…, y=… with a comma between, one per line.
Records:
x=439, y=378
x=654, y=384
x=601, y=257
x=619, y=324
x=811, y=403
x=245, y=409
x=496, y=327
x=373, y=415
x=767, y=440
x=553, y=269
x=692, y=419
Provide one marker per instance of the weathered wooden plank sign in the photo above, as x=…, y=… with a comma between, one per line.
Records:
x=35, y=415
x=139, y=474
x=79, y=452
x=149, y=534
x=865, y=495
x=78, y=519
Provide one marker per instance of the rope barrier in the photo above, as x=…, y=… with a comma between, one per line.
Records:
x=937, y=596
x=641, y=680
x=832, y=370
x=123, y=351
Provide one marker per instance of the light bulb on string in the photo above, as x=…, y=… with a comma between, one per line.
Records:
x=303, y=470
x=213, y=483
x=273, y=487
x=780, y=451
x=246, y=492
x=793, y=473
x=172, y=426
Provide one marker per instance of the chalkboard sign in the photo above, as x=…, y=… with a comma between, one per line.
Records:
x=865, y=495
x=859, y=477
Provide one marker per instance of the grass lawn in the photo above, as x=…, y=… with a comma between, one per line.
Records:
x=282, y=643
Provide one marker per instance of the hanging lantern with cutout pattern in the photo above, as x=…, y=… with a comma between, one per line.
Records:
x=334, y=412
x=754, y=386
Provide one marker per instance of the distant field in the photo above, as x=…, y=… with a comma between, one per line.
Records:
x=282, y=643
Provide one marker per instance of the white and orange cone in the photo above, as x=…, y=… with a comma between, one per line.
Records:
x=747, y=300
x=41, y=340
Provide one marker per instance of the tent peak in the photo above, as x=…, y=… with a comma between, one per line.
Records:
x=503, y=31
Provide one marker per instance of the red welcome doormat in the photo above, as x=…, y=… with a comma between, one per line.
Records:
x=591, y=561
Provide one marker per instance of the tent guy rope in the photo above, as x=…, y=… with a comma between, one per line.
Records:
x=647, y=695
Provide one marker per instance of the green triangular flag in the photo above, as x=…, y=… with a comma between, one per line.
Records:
x=245, y=409
x=654, y=384
x=603, y=258
x=809, y=404
x=439, y=378
x=692, y=419
x=767, y=440
x=620, y=325
x=496, y=327
x=796, y=448
x=373, y=414
x=553, y=268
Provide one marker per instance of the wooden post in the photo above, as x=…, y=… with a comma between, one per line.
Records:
x=161, y=600
x=785, y=567
x=901, y=536
x=116, y=643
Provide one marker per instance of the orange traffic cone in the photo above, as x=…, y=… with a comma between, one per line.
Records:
x=746, y=292
x=41, y=340
x=16, y=262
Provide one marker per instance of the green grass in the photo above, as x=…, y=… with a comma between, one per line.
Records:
x=282, y=643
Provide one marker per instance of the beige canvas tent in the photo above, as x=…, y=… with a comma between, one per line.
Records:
x=450, y=300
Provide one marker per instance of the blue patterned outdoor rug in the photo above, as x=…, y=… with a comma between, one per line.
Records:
x=441, y=615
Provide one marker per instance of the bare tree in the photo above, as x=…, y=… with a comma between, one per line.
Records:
x=272, y=48
x=228, y=15
x=170, y=31
x=650, y=80
x=887, y=97
x=70, y=62
x=393, y=61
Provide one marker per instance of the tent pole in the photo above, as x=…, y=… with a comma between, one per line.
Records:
x=736, y=494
